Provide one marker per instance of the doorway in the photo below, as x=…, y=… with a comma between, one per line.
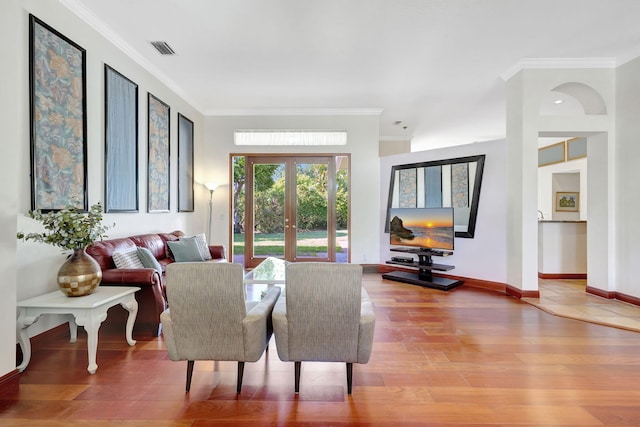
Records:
x=293, y=207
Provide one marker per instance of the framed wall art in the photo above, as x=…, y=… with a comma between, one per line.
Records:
x=185, y=164
x=567, y=201
x=121, y=142
x=57, y=89
x=158, y=155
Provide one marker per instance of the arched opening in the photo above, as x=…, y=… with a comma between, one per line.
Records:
x=572, y=99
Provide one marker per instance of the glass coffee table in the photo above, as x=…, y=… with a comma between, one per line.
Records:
x=267, y=274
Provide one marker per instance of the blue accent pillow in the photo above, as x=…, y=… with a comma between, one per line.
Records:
x=148, y=260
x=185, y=251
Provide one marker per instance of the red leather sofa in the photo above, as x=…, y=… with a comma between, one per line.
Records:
x=151, y=297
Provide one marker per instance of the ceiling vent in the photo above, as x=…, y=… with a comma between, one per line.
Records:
x=163, y=48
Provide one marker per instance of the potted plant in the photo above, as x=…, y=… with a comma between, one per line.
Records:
x=72, y=229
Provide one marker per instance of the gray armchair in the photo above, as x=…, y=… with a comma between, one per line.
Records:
x=326, y=316
x=209, y=319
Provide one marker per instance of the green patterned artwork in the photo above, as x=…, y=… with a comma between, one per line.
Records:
x=460, y=185
x=408, y=188
x=58, y=126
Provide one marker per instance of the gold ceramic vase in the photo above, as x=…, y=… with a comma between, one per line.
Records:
x=80, y=275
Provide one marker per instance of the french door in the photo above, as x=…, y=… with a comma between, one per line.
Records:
x=290, y=208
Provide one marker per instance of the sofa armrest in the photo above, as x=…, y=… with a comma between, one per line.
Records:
x=367, y=327
x=218, y=251
x=131, y=276
x=256, y=326
x=281, y=328
x=169, y=337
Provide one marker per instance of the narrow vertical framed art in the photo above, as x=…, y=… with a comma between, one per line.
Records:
x=185, y=164
x=58, y=111
x=158, y=128
x=121, y=142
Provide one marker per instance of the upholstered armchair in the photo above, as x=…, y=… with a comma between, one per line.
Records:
x=209, y=319
x=326, y=316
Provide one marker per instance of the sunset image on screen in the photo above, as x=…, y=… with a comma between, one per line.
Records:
x=422, y=227
x=416, y=218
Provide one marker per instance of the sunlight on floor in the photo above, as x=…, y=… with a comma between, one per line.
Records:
x=567, y=298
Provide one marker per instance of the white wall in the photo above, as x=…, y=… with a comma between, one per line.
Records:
x=627, y=197
x=37, y=264
x=362, y=143
x=484, y=256
x=562, y=247
x=547, y=189
x=525, y=92
x=12, y=109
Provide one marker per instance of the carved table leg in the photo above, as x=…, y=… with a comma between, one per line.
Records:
x=22, y=324
x=73, y=329
x=91, y=320
x=132, y=307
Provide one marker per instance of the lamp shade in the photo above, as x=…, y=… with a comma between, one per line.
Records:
x=211, y=186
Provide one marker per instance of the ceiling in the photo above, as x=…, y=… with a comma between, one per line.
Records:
x=435, y=66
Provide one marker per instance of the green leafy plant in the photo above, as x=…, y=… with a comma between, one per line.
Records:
x=68, y=228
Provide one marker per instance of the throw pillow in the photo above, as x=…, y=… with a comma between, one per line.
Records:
x=167, y=251
x=127, y=258
x=201, y=241
x=185, y=251
x=148, y=260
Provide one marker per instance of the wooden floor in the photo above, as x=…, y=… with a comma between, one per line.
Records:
x=568, y=298
x=463, y=357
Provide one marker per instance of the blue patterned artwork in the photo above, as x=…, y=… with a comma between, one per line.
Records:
x=185, y=164
x=158, y=163
x=58, y=126
x=121, y=142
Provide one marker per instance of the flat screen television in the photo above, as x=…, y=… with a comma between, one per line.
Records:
x=422, y=228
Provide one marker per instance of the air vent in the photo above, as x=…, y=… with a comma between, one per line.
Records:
x=163, y=48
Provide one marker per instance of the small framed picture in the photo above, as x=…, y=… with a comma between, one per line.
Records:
x=568, y=201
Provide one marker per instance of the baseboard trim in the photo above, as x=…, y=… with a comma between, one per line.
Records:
x=562, y=276
x=600, y=292
x=628, y=298
x=613, y=295
x=519, y=293
x=369, y=268
x=10, y=381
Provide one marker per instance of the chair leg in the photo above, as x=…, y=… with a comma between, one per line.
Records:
x=240, y=373
x=189, y=374
x=349, y=377
x=297, y=365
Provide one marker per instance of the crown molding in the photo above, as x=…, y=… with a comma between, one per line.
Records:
x=294, y=112
x=628, y=57
x=107, y=32
x=557, y=63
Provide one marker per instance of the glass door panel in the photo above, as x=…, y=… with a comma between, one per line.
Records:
x=313, y=210
x=342, y=209
x=265, y=213
x=291, y=211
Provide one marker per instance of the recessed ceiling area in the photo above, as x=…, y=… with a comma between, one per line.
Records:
x=433, y=65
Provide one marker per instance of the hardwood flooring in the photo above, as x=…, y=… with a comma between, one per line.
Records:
x=463, y=357
x=568, y=298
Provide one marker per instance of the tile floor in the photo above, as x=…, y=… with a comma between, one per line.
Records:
x=567, y=298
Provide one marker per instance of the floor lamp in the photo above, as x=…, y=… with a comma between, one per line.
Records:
x=211, y=187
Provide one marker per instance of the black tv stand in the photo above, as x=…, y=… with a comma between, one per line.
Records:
x=424, y=266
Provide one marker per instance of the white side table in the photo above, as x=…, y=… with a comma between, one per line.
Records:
x=88, y=311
